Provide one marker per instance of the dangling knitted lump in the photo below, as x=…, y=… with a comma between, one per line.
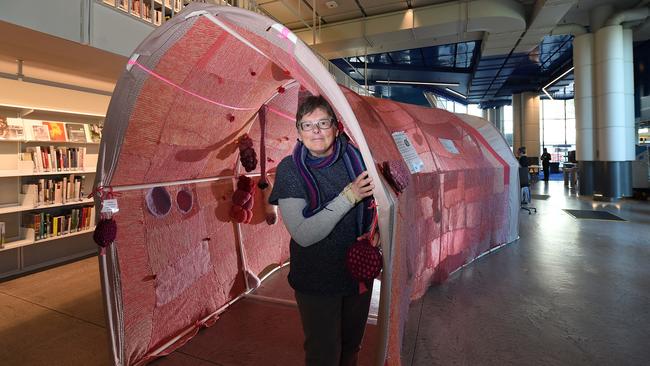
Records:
x=242, y=201
x=105, y=232
x=247, y=154
x=270, y=211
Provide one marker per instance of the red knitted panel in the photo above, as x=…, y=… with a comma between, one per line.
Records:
x=452, y=212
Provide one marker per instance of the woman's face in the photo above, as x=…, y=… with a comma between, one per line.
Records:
x=319, y=142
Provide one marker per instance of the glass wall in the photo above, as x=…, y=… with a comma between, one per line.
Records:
x=474, y=110
x=558, y=128
x=455, y=107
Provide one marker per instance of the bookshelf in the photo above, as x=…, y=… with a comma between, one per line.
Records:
x=150, y=11
x=47, y=168
x=25, y=207
x=22, y=173
x=19, y=242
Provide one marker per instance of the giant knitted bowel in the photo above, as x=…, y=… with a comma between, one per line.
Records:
x=175, y=116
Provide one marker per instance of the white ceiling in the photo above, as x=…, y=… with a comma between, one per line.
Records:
x=296, y=14
x=59, y=60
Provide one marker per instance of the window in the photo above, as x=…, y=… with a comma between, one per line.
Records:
x=474, y=110
x=558, y=127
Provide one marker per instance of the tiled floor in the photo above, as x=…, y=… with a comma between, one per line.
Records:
x=569, y=292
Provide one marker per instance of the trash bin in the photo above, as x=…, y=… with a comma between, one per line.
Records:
x=573, y=177
x=569, y=172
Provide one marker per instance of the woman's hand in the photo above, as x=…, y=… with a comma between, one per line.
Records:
x=362, y=186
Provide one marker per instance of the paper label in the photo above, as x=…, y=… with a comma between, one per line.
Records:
x=408, y=152
x=110, y=206
x=449, y=145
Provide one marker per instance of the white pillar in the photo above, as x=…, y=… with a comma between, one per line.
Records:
x=612, y=170
x=628, y=64
x=583, y=51
x=584, y=98
x=610, y=94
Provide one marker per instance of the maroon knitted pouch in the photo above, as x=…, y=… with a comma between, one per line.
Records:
x=397, y=174
x=363, y=260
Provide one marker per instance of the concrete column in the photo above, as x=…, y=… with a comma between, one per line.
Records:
x=502, y=119
x=612, y=173
x=498, y=118
x=584, y=106
x=525, y=109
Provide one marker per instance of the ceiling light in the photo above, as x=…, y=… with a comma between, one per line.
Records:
x=456, y=93
x=416, y=83
x=554, y=80
x=332, y=4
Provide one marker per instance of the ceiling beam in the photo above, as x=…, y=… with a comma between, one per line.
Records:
x=374, y=66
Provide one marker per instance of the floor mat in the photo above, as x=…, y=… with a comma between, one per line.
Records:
x=593, y=215
x=540, y=196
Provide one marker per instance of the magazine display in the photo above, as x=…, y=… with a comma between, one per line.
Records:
x=56, y=130
x=76, y=132
x=11, y=129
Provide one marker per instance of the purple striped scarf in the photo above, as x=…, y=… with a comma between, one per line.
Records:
x=354, y=165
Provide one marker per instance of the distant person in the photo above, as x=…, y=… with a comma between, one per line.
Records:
x=546, y=164
x=523, y=158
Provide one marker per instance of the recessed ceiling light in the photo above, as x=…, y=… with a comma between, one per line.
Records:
x=332, y=4
x=456, y=93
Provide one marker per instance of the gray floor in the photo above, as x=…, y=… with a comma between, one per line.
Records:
x=569, y=292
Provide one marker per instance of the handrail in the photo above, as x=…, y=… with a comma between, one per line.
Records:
x=151, y=11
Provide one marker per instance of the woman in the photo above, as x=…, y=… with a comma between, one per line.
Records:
x=546, y=164
x=323, y=192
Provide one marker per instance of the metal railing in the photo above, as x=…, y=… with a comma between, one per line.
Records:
x=157, y=12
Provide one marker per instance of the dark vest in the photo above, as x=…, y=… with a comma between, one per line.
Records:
x=320, y=267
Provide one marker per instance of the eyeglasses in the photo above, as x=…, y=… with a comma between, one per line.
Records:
x=322, y=124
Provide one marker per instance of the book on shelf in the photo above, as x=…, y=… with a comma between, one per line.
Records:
x=11, y=129
x=56, y=130
x=30, y=191
x=95, y=132
x=39, y=132
x=46, y=225
x=57, y=159
x=2, y=234
x=44, y=191
x=76, y=132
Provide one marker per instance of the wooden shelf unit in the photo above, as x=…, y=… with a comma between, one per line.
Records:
x=28, y=233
